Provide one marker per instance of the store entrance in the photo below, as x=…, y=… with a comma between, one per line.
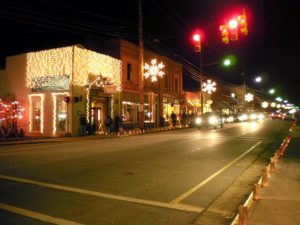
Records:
x=97, y=120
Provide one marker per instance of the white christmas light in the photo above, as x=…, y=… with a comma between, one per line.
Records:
x=69, y=65
x=209, y=86
x=249, y=97
x=154, y=70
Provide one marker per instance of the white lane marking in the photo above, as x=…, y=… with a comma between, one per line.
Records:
x=36, y=215
x=192, y=190
x=182, y=207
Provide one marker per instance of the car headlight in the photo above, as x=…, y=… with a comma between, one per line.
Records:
x=198, y=121
x=213, y=120
x=253, y=116
x=230, y=119
x=243, y=117
x=261, y=116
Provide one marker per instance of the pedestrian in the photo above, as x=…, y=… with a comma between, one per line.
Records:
x=117, y=121
x=83, y=125
x=173, y=118
x=108, y=124
x=184, y=119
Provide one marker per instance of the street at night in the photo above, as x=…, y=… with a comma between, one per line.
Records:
x=149, y=112
x=167, y=177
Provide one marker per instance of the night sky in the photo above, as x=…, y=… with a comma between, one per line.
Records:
x=271, y=49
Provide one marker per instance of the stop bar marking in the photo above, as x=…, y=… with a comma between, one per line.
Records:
x=198, y=186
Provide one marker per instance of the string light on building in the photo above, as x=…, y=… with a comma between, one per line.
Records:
x=209, y=86
x=265, y=105
x=154, y=70
x=69, y=65
x=249, y=97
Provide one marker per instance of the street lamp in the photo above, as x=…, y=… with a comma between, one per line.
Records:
x=258, y=79
x=272, y=91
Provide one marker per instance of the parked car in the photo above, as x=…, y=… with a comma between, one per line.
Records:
x=277, y=115
x=288, y=116
x=209, y=119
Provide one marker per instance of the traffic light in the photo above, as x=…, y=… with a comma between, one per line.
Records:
x=196, y=38
x=224, y=33
x=233, y=29
x=243, y=23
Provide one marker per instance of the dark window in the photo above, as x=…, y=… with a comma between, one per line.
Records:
x=176, y=85
x=129, y=71
x=166, y=81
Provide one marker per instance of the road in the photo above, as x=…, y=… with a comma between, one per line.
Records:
x=171, y=177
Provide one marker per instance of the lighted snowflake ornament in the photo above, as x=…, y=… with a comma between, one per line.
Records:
x=209, y=86
x=249, y=97
x=154, y=70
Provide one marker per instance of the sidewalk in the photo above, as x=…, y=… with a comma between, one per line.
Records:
x=279, y=203
x=34, y=140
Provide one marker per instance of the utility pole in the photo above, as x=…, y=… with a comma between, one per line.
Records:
x=141, y=74
x=244, y=80
x=201, y=82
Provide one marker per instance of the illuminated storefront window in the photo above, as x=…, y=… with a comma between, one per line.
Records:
x=60, y=113
x=36, y=113
x=61, y=116
x=129, y=112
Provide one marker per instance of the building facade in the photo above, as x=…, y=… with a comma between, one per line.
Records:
x=65, y=89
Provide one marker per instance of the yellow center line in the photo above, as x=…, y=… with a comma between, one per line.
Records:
x=182, y=207
x=36, y=215
x=198, y=186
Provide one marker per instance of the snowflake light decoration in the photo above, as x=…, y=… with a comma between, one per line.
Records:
x=249, y=97
x=209, y=86
x=154, y=70
x=265, y=105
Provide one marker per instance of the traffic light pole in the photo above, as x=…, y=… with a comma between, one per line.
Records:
x=201, y=82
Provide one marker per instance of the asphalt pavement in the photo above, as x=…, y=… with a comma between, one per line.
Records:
x=180, y=177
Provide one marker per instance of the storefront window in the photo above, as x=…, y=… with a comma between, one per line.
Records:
x=168, y=108
x=61, y=116
x=129, y=112
x=36, y=116
x=36, y=113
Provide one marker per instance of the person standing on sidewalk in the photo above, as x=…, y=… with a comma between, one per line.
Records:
x=108, y=124
x=173, y=118
x=117, y=121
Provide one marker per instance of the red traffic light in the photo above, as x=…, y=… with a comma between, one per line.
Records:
x=233, y=24
x=197, y=37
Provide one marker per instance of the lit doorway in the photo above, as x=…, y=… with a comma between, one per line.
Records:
x=97, y=117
